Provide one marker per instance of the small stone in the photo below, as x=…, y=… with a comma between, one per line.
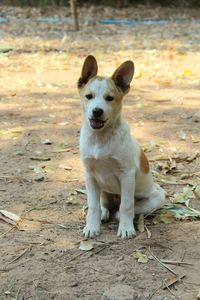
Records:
x=39, y=178
x=121, y=292
x=121, y=278
x=47, y=142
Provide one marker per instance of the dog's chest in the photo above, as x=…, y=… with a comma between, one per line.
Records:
x=106, y=171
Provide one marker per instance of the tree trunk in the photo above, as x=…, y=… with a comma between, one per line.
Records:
x=74, y=13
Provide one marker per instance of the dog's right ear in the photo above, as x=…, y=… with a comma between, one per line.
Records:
x=89, y=70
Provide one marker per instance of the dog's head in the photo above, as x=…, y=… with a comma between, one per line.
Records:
x=102, y=96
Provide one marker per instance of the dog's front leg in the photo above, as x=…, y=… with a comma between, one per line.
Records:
x=92, y=227
x=127, y=210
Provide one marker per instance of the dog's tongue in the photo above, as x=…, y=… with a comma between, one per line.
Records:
x=96, y=124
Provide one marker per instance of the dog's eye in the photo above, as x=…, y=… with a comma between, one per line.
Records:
x=109, y=98
x=89, y=96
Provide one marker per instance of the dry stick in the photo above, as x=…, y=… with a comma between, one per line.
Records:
x=7, y=231
x=162, y=264
x=99, y=250
x=172, y=281
x=19, y=256
x=17, y=295
x=74, y=13
x=172, y=292
x=173, y=262
x=154, y=292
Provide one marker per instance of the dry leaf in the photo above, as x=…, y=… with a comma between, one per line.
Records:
x=142, y=258
x=165, y=179
x=86, y=246
x=184, y=196
x=159, y=157
x=188, y=72
x=148, y=232
x=166, y=218
x=182, y=213
x=9, y=217
x=140, y=223
x=196, y=191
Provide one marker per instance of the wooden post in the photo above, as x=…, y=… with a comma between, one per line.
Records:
x=74, y=11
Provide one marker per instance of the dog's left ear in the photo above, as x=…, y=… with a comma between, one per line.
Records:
x=123, y=75
x=89, y=70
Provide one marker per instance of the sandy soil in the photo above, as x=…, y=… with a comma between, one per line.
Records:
x=39, y=101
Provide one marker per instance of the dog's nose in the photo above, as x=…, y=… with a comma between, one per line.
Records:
x=97, y=112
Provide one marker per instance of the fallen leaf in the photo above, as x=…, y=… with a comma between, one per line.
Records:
x=165, y=217
x=196, y=191
x=148, y=232
x=188, y=72
x=184, y=196
x=182, y=213
x=165, y=179
x=159, y=157
x=86, y=246
x=141, y=258
x=140, y=223
x=9, y=217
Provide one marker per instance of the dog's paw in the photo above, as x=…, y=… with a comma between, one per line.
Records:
x=90, y=231
x=105, y=214
x=126, y=231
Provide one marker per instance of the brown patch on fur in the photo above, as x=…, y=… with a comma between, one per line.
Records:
x=144, y=164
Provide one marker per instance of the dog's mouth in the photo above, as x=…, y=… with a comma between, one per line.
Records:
x=97, y=123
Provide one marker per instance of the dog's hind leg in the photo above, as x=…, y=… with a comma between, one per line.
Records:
x=109, y=205
x=105, y=203
x=154, y=201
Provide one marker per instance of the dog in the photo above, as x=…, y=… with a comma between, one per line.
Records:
x=114, y=163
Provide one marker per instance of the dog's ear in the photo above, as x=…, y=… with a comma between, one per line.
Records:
x=89, y=70
x=123, y=75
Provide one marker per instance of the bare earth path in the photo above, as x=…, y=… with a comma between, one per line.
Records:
x=38, y=181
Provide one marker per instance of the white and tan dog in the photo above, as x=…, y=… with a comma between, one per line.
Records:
x=114, y=163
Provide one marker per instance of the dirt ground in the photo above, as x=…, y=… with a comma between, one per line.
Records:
x=42, y=181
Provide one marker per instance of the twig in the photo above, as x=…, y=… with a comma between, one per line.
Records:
x=74, y=257
x=17, y=295
x=7, y=231
x=99, y=250
x=171, y=292
x=19, y=256
x=172, y=281
x=162, y=264
x=155, y=291
x=173, y=262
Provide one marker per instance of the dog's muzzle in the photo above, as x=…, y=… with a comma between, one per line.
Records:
x=97, y=123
